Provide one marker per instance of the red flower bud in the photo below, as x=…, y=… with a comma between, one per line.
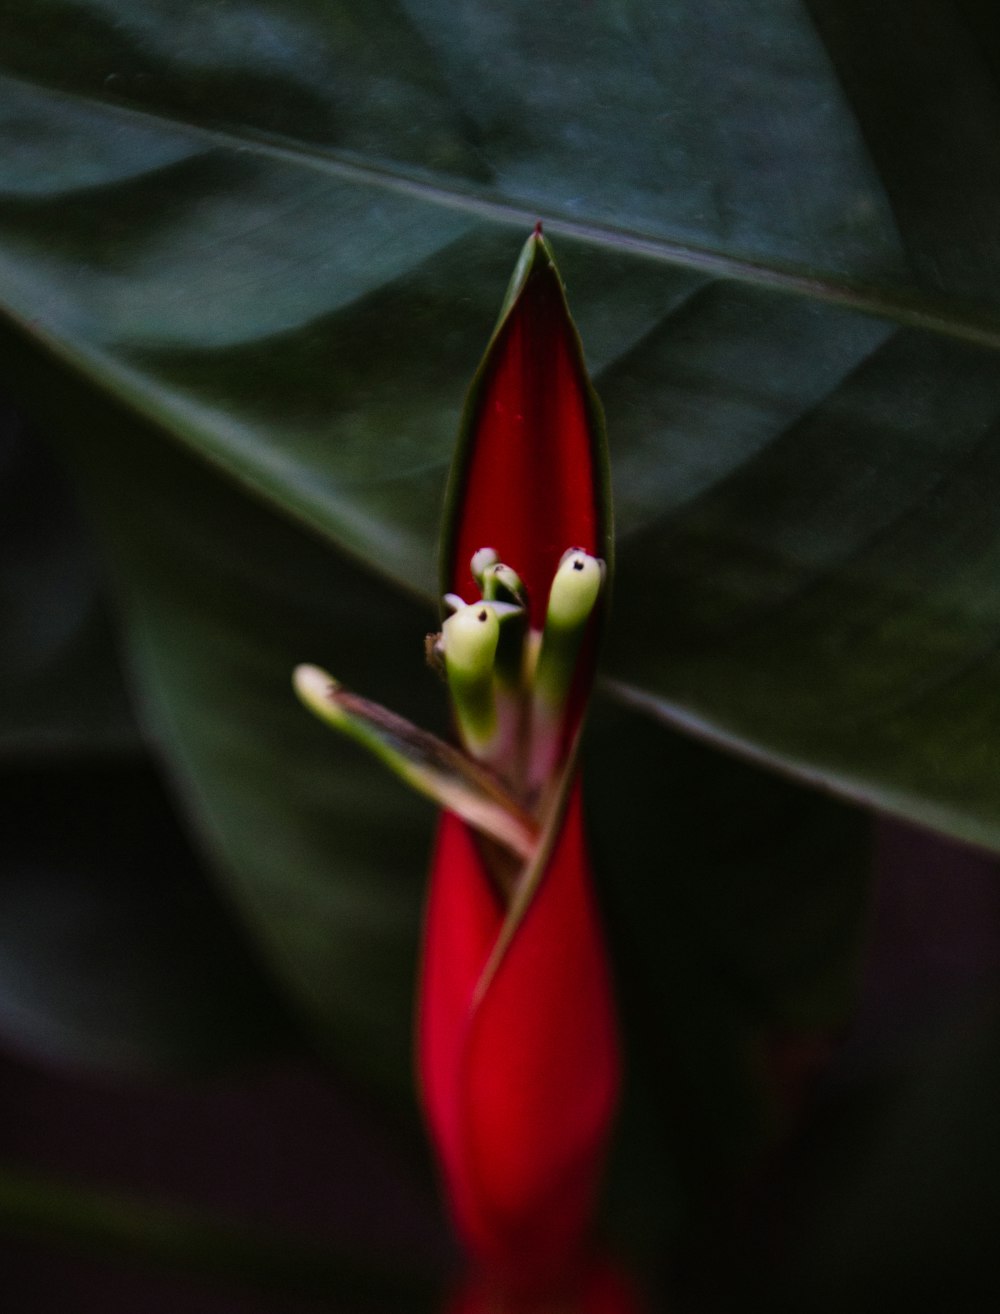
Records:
x=518, y=1051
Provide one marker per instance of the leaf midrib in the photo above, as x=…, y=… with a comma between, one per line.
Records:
x=909, y=307
x=816, y=772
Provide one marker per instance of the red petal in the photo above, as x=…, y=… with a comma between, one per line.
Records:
x=530, y=468
x=520, y=1090
x=542, y=1069
x=462, y=922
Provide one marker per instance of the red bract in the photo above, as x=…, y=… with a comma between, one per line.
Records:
x=519, y=1082
x=530, y=475
x=518, y=1050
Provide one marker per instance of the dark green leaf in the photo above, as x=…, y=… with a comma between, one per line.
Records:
x=822, y=600
x=737, y=905
x=283, y=237
x=61, y=689
x=322, y=849
x=114, y=954
x=890, y=1198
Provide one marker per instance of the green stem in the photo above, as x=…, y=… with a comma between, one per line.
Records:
x=427, y=764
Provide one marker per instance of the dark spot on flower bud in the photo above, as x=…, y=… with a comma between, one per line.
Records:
x=482, y=615
x=578, y=564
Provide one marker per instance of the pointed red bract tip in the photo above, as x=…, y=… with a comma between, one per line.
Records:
x=538, y=228
x=530, y=485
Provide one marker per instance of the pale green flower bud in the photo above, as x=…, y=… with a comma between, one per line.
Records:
x=470, y=638
x=573, y=596
x=576, y=587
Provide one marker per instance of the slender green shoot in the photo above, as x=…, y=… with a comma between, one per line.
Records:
x=427, y=764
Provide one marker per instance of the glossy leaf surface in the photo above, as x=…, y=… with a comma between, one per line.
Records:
x=253, y=230
x=61, y=687
x=293, y=819
x=116, y=955
x=280, y=233
x=115, y=952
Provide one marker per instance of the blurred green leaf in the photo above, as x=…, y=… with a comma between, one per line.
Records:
x=889, y=1199
x=281, y=237
x=115, y=954
x=61, y=687
x=272, y=241
x=281, y=234
x=737, y=905
x=323, y=851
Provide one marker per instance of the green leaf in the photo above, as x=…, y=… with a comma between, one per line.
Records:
x=322, y=850
x=281, y=235
x=825, y=599
x=890, y=1197
x=737, y=906
x=61, y=688
x=114, y=953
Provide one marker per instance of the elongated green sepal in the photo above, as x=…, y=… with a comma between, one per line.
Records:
x=470, y=637
x=427, y=764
